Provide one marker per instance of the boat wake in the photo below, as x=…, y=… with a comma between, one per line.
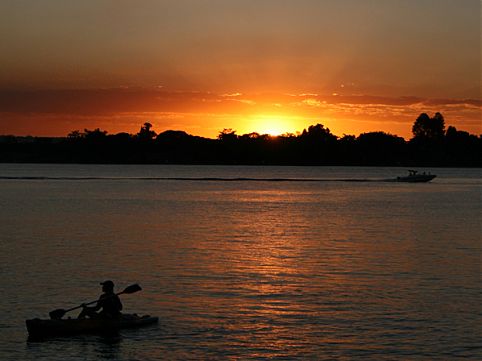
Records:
x=195, y=179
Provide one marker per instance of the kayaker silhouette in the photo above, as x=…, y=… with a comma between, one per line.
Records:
x=108, y=301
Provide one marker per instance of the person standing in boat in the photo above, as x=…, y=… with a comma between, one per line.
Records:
x=108, y=301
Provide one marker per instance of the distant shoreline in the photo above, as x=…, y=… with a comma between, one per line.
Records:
x=431, y=146
x=402, y=166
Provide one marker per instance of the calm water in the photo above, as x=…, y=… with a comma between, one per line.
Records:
x=325, y=270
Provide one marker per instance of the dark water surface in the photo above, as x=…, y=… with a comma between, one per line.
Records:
x=245, y=270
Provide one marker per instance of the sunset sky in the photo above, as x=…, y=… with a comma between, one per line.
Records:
x=267, y=66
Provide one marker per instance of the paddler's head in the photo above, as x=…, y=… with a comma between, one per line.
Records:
x=107, y=286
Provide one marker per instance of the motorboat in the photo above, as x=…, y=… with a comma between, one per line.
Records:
x=416, y=177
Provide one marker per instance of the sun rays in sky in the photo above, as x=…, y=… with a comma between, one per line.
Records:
x=264, y=66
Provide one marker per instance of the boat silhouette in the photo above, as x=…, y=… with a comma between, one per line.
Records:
x=415, y=177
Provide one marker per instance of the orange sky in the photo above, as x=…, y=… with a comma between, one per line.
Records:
x=58, y=112
x=269, y=66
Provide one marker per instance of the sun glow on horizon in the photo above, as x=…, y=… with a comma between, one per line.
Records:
x=273, y=125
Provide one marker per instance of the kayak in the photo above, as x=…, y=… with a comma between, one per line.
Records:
x=68, y=327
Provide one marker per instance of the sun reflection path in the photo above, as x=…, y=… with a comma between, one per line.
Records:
x=266, y=277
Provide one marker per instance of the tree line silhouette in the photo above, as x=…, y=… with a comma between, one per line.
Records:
x=431, y=145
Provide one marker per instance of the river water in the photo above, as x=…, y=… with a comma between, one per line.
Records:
x=249, y=269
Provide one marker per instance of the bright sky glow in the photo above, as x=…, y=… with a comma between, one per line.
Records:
x=252, y=65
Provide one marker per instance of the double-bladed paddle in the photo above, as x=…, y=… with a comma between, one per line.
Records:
x=59, y=313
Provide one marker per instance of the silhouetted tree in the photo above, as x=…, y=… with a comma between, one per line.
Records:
x=75, y=134
x=318, y=133
x=347, y=153
x=95, y=134
x=316, y=145
x=122, y=137
x=146, y=134
x=462, y=148
x=380, y=148
x=429, y=128
x=426, y=146
x=438, y=125
x=227, y=134
x=252, y=135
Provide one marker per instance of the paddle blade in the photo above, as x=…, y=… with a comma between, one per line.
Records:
x=57, y=314
x=132, y=289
